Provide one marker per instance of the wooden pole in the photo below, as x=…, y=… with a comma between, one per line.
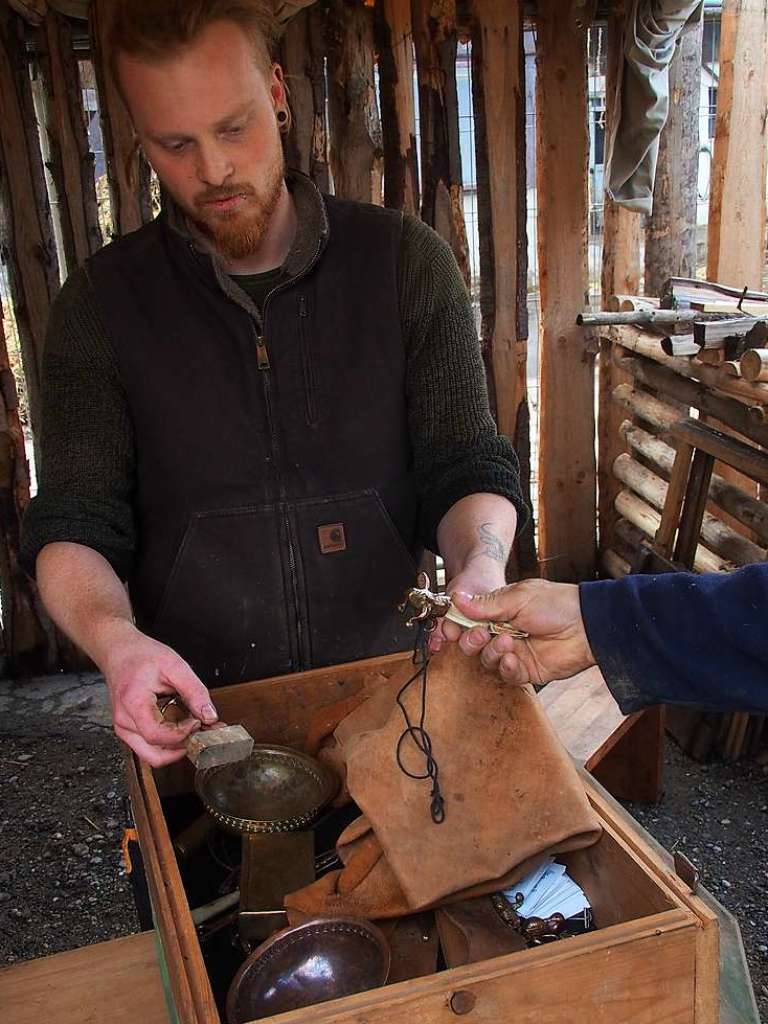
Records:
x=127, y=170
x=72, y=163
x=736, y=241
x=620, y=276
x=356, y=147
x=442, y=194
x=294, y=58
x=670, y=234
x=26, y=233
x=394, y=40
x=303, y=58
x=29, y=642
x=567, y=476
x=499, y=98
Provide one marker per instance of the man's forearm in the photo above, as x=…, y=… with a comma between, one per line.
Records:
x=477, y=533
x=85, y=598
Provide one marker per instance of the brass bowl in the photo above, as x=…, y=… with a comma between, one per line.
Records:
x=276, y=789
x=319, y=960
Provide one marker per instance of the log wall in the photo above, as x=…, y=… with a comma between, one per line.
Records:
x=364, y=146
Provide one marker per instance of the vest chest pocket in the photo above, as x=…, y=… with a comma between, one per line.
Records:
x=356, y=570
x=308, y=364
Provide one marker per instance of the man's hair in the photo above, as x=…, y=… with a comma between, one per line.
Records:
x=153, y=30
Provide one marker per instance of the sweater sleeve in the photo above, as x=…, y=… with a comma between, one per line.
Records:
x=457, y=450
x=85, y=479
x=680, y=638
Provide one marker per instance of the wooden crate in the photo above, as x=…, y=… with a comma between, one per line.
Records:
x=653, y=959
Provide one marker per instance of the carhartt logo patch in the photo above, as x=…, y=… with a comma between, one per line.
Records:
x=332, y=538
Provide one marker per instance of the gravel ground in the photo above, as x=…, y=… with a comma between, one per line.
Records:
x=62, y=811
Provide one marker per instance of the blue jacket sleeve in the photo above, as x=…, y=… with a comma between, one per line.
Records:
x=679, y=638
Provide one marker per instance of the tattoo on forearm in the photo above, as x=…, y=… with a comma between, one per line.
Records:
x=493, y=547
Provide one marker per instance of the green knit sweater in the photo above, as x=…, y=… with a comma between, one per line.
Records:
x=86, y=478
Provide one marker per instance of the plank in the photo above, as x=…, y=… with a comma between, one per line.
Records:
x=119, y=981
x=392, y=25
x=748, y=460
x=26, y=230
x=567, y=469
x=355, y=129
x=71, y=163
x=498, y=81
x=649, y=963
x=670, y=233
x=127, y=170
x=435, y=40
x=736, y=234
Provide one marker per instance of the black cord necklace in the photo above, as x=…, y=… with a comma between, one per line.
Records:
x=418, y=733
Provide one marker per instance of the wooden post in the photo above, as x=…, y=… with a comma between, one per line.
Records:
x=736, y=235
x=29, y=643
x=394, y=41
x=303, y=56
x=356, y=151
x=620, y=276
x=670, y=234
x=442, y=193
x=127, y=170
x=498, y=78
x=26, y=233
x=567, y=485
x=72, y=164
x=736, y=242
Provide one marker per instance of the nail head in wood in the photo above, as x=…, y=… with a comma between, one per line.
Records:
x=463, y=1002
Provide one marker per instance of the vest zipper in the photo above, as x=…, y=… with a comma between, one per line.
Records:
x=262, y=357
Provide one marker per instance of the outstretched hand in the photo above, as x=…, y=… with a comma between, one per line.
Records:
x=138, y=672
x=550, y=612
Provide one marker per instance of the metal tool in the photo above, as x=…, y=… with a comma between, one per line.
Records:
x=428, y=607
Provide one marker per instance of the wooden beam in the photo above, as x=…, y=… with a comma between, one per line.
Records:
x=29, y=642
x=128, y=173
x=567, y=473
x=356, y=145
x=498, y=76
x=303, y=55
x=620, y=276
x=442, y=194
x=26, y=233
x=670, y=233
x=736, y=240
x=71, y=163
x=731, y=499
x=394, y=40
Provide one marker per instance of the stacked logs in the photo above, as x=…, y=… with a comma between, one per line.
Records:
x=666, y=375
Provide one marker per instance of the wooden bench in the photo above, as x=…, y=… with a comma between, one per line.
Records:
x=623, y=752
x=117, y=981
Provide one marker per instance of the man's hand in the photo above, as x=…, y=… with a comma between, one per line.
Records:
x=88, y=602
x=475, y=537
x=138, y=671
x=558, y=647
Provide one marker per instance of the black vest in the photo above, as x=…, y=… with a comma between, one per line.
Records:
x=274, y=496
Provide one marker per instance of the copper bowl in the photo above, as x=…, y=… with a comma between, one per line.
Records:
x=276, y=789
x=324, y=959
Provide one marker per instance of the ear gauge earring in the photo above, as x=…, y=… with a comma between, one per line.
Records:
x=283, y=120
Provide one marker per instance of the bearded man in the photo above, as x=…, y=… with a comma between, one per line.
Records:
x=259, y=408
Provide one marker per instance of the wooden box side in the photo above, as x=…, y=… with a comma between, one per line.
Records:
x=641, y=972
x=187, y=974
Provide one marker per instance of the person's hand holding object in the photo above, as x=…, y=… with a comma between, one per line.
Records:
x=550, y=612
